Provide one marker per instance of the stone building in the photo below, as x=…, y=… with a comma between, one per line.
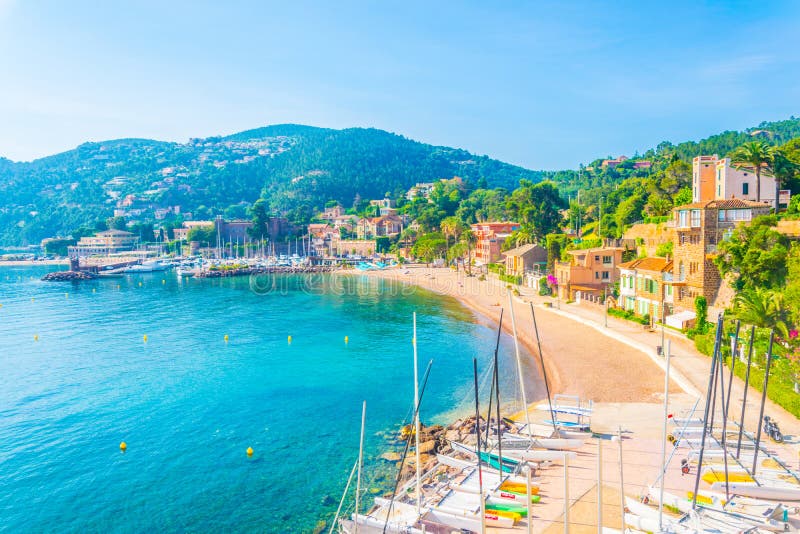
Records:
x=699, y=228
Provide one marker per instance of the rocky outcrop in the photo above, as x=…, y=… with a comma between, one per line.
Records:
x=68, y=276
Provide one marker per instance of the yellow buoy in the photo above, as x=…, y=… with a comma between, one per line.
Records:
x=32, y=299
x=289, y=339
x=66, y=295
x=94, y=290
x=123, y=446
x=249, y=451
x=346, y=340
x=140, y=284
x=118, y=286
x=163, y=281
x=145, y=338
x=226, y=338
x=36, y=337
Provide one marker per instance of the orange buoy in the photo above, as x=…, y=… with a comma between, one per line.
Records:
x=123, y=446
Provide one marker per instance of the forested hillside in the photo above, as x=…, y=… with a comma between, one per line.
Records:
x=296, y=169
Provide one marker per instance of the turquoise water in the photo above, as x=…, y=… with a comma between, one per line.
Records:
x=188, y=404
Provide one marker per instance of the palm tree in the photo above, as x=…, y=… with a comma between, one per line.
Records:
x=450, y=226
x=469, y=238
x=764, y=308
x=755, y=154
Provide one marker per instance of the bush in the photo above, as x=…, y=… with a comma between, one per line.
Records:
x=482, y=278
x=544, y=289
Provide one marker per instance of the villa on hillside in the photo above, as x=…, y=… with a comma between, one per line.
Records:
x=385, y=226
x=490, y=237
x=668, y=287
x=715, y=178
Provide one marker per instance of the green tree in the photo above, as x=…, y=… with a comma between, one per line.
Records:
x=785, y=170
x=763, y=308
x=260, y=218
x=538, y=206
x=755, y=155
x=755, y=255
x=116, y=223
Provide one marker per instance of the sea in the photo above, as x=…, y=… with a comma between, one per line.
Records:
x=190, y=373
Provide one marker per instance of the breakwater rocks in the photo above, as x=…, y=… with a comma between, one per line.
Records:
x=68, y=276
x=247, y=271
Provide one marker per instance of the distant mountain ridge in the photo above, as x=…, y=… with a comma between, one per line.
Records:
x=296, y=168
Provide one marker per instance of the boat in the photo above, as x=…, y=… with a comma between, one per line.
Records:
x=773, y=493
x=149, y=266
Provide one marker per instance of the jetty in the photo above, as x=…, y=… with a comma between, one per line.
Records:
x=276, y=269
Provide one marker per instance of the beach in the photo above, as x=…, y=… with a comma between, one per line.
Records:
x=573, y=353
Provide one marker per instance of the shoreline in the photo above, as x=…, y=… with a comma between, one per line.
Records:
x=587, y=353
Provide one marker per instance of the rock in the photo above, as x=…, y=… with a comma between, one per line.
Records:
x=452, y=435
x=68, y=276
x=320, y=526
x=390, y=456
x=427, y=446
x=327, y=500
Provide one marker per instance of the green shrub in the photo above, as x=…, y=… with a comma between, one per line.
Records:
x=544, y=289
x=482, y=278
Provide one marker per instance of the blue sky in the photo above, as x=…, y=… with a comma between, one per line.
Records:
x=546, y=85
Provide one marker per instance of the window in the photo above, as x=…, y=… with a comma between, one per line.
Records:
x=683, y=218
x=719, y=190
x=695, y=218
x=597, y=258
x=745, y=188
x=668, y=290
x=605, y=275
x=596, y=275
x=606, y=259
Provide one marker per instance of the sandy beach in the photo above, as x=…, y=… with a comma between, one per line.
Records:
x=578, y=359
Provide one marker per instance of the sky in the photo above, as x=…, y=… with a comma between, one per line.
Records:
x=545, y=85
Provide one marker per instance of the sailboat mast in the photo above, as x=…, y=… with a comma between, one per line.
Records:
x=360, y=459
x=478, y=446
x=416, y=417
x=519, y=365
x=664, y=439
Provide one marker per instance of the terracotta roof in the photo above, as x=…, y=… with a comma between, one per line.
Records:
x=629, y=264
x=519, y=251
x=727, y=204
x=654, y=264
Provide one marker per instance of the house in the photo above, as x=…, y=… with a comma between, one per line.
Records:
x=642, y=164
x=489, y=240
x=715, y=178
x=699, y=228
x=107, y=242
x=332, y=213
x=323, y=238
x=525, y=258
x=421, y=189
x=386, y=226
x=645, y=287
x=611, y=163
x=589, y=271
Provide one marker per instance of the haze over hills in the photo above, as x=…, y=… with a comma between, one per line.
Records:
x=295, y=168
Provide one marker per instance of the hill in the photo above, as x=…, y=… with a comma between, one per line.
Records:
x=594, y=175
x=295, y=168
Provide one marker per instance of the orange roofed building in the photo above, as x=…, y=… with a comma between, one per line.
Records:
x=489, y=238
x=588, y=271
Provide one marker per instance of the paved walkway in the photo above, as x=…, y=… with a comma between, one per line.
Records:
x=689, y=368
